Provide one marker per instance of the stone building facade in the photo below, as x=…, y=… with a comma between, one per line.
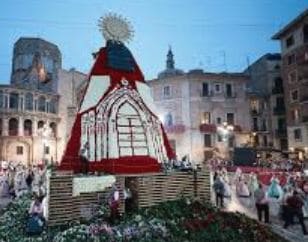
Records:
x=267, y=109
x=37, y=108
x=294, y=50
x=204, y=114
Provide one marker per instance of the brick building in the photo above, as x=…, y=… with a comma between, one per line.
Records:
x=294, y=50
x=267, y=109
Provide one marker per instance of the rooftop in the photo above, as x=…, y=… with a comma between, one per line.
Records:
x=294, y=22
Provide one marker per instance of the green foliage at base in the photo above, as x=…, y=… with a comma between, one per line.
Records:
x=181, y=220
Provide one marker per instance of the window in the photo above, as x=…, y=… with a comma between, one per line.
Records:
x=230, y=118
x=219, y=137
x=265, y=143
x=1, y=99
x=218, y=120
x=14, y=100
x=47, y=150
x=278, y=83
x=40, y=124
x=19, y=150
x=53, y=127
x=289, y=41
x=166, y=91
x=264, y=126
x=255, y=124
x=228, y=90
x=291, y=59
x=295, y=115
x=292, y=76
x=27, y=127
x=254, y=105
x=53, y=106
x=207, y=140
x=206, y=118
x=13, y=127
x=217, y=88
x=29, y=102
x=205, y=89
x=42, y=104
x=305, y=33
x=281, y=123
x=279, y=102
x=168, y=119
x=294, y=95
x=297, y=134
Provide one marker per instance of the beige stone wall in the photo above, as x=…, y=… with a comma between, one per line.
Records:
x=33, y=143
x=186, y=106
x=67, y=89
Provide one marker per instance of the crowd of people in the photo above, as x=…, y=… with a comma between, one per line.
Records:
x=289, y=198
x=17, y=180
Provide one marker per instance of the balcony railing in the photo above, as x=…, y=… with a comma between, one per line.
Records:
x=263, y=128
x=281, y=133
x=13, y=132
x=177, y=128
x=207, y=94
x=208, y=128
x=255, y=112
x=279, y=110
x=237, y=128
x=254, y=128
x=230, y=95
x=27, y=132
x=277, y=90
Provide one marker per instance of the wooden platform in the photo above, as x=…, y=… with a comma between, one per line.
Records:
x=150, y=189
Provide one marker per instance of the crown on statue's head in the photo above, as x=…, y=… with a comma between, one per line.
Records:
x=116, y=28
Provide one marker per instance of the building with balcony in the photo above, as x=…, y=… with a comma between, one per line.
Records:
x=39, y=105
x=204, y=114
x=294, y=50
x=267, y=109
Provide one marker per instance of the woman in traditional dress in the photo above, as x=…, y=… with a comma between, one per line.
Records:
x=275, y=190
x=226, y=182
x=4, y=185
x=242, y=188
x=253, y=183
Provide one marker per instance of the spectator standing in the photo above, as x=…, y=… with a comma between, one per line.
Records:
x=262, y=204
x=295, y=208
x=219, y=191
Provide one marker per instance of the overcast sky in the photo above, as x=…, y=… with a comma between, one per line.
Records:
x=215, y=35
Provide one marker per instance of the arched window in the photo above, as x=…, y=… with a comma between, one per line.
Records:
x=42, y=104
x=53, y=106
x=40, y=124
x=53, y=127
x=1, y=99
x=29, y=101
x=28, y=127
x=14, y=100
x=168, y=120
x=13, y=127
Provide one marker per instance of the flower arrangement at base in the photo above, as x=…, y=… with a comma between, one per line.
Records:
x=180, y=220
